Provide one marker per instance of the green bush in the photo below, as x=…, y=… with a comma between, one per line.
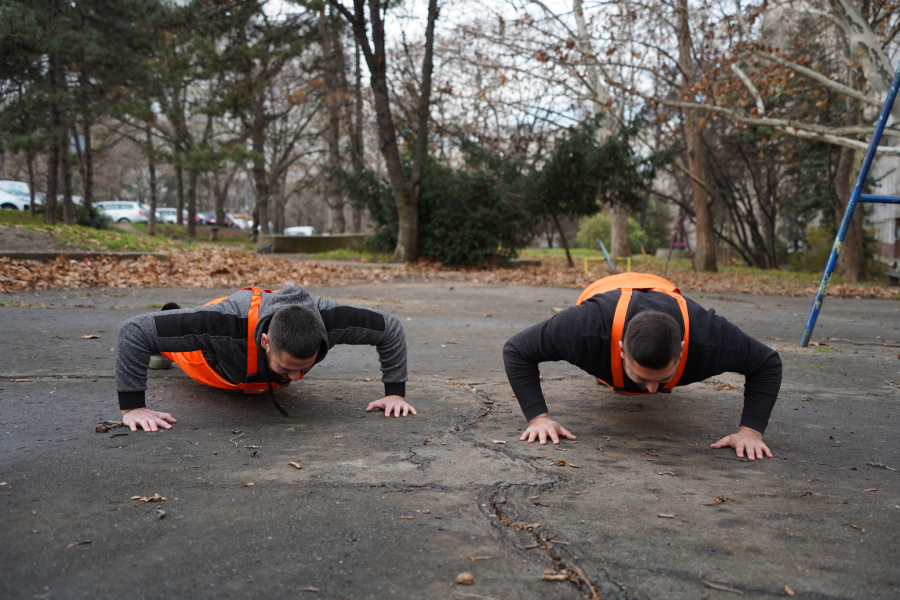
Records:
x=813, y=257
x=464, y=217
x=591, y=229
x=94, y=218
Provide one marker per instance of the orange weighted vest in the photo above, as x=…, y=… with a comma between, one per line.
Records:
x=196, y=367
x=628, y=282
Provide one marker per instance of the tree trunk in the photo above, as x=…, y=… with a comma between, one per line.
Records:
x=620, y=245
x=618, y=222
x=333, y=95
x=192, y=204
x=65, y=155
x=151, y=165
x=706, y=241
x=66, y=171
x=88, y=168
x=376, y=59
x=852, y=261
x=32, y=209
x=356, y=137
x=562, y=238
x=179, y=185
x=53, y=159
x=423, y=117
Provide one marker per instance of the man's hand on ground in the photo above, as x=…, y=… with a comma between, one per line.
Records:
x=543, y=427
x=147, y=418
x=392, y=403
x=745, y=439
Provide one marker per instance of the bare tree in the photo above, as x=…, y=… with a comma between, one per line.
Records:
x=406, y=193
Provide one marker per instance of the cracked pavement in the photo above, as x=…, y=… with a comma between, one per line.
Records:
x=638, y=507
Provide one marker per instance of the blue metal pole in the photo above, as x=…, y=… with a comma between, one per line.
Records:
x=612, y=267
x=851, y=206
x=879, y=199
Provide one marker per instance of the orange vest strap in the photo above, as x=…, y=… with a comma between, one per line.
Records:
x=196, y=367
x=626, y=282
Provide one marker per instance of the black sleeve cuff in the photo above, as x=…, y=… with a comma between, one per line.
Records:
x=535, y=410
x=395, y=389
x=754, y=423
x=130, y=400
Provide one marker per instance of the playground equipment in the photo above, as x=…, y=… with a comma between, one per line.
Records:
x=681, y=245
x=855, y=196
x=609, y=261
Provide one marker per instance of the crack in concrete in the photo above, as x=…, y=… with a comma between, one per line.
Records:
x=572, y=571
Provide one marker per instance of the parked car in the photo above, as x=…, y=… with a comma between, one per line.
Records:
x=124, y=211
x=168, y=214
x=300, y=230
x=15, y=195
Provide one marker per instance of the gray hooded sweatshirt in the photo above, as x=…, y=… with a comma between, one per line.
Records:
x=220, y=332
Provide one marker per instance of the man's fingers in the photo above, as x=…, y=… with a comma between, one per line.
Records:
x=413, y=410
x=406, y=410
x=554, y=438
x=567, y=433
x=725, y=441
x=768, y=452
x=739, y=449
x=372, y=405
x=542, y=437
x=523, y=436
x=133, y=426
x=167, y=417
x=163, y=424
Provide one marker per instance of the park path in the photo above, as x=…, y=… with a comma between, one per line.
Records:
x=638, y=507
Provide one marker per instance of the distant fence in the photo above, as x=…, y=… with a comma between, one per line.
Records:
x=311, y=244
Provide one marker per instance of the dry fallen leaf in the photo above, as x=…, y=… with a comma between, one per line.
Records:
x=160, y=513
x=401, y=517
x=90, y=337
x=73, y=544
x=665, y=473
x=145, y=499
x=560, y=463
x=499, y=441
x=551, y=575
x=788, y=590
x=665, y=516
x=309, y=588
x=101, y=428
x=295, y=465
x=465, y=578
x=22, y=380
x=251, y=484
x=871, y=490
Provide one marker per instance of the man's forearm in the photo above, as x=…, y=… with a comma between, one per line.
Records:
x=525, y=380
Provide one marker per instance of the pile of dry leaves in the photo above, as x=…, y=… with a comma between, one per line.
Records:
x=229, y=268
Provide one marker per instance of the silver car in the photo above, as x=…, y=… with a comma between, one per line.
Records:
x=124, y=211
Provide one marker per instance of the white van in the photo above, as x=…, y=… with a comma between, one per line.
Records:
x=15, y=195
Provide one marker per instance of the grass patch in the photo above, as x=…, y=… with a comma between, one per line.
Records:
x=86, y=237
x=353, y=255
x=226, y=236
x=823, y=349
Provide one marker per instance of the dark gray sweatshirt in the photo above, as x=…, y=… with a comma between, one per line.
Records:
x=220, y=332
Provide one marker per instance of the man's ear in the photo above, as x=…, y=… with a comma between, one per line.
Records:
x=264, y=341
x=622, y=348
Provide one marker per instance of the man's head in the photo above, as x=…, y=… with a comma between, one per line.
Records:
x=651, y=349
x=292, y=341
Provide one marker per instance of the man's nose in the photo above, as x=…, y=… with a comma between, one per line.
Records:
x=652, y=387
x=295, y=375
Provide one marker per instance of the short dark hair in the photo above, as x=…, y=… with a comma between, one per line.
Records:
x=653, y=339
x=295, y=330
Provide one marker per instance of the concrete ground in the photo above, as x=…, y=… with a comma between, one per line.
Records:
x=388, y=508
